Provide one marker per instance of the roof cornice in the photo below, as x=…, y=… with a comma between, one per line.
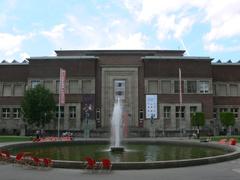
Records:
x=61, y=57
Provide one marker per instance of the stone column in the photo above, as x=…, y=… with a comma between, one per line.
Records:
x=161, y=116
x=78, y=116
x=187, y=117
x=173, y=117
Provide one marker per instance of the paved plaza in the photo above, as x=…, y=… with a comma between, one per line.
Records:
x=229, y=170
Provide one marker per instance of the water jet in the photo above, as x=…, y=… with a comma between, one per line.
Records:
x=116, y=127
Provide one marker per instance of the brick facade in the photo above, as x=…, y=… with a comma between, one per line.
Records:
x=93, y=72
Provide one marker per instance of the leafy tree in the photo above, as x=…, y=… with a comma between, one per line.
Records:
x=197, y=120
x=227, y=119
x=38, y=106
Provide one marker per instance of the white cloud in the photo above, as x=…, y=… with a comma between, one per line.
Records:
x=213, y=47
x=11, y=43
x=224, y=18
x=56, y=33
x=174, y=19
x=132, y=41
x=171, y=18
x=24, y=55
x=147, y=10
x=95, y=34
x=183, y=26
x=3, y=19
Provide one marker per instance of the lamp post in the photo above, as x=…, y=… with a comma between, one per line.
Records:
x=86, y=121
x=152, y=132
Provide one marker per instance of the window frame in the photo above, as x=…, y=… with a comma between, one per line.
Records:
x=191, y=89
x=6, y=112
x=204, y=87
x=167, y=112
x=72, y=112
x=16, y=114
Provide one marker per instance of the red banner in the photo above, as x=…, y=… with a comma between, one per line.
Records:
x=180, y=86
x=62, y=86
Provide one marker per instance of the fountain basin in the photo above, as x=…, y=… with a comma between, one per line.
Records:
x=231, y=152
x=117, y=149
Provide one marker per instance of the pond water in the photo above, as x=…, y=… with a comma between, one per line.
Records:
x=132, y=153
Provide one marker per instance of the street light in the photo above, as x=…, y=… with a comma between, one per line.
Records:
x=152, y=131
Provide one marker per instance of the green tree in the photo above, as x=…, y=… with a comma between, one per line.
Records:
x=197, y=120
x=38, y=106
x=227, y=119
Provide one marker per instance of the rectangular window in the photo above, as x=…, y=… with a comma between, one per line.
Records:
x=214, y=89
x=221, y=90
x=48, y=85
x=72, y=112
x=176, y=86
x=223, y=109
x=34, y=83
x=166, y=87
x=16, y=113
x=180, y=112
x=5, y=113
x=57, y=86
x=167, y=112
x=141, y=114
x=233, y=89
x=86, y=86
x=119, y=89
x=7, y=90
x=73, y=87
x=61, y=111
x=98, y=114
x=204, y=87
x=214, y=112
x=235, y=112
x=152, y=86
x=191, y=86
x=18, y=90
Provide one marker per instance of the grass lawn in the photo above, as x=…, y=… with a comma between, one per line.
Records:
x=15, y=138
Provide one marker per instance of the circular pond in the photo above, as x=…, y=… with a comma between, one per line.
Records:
x=132, y=153
x=137, y=155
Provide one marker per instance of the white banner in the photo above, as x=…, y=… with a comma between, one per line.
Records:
x=62, y=86
x=151, y=106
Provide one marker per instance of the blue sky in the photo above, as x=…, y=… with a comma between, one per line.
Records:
x=201, y=27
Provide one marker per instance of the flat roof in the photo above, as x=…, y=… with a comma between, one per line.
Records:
x=225, y=64
x=61, y=57
x=126, y=51
x=178, y=58
x=13, y=64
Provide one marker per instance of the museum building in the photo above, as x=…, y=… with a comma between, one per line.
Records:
x=146, y=81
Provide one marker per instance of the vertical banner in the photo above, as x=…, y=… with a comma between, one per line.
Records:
x=62, y=86
x=61, y=99
x=180, y=86
x=151, y=107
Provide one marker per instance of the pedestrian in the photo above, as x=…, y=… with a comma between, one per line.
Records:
x=37, y=134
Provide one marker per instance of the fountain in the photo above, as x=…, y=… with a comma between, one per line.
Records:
x=140, y=154
x=116, y=127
